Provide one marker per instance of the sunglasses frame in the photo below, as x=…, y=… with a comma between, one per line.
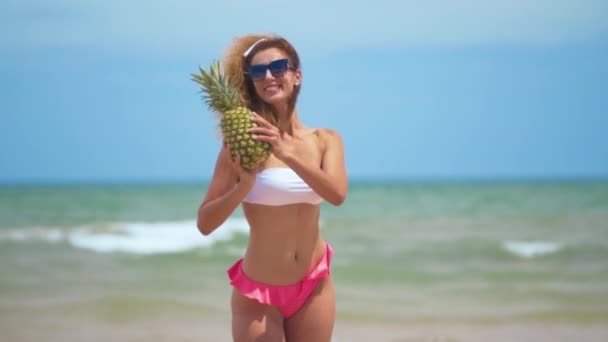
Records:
x=277, y=68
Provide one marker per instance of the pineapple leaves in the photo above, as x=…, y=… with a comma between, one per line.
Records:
x=217, y=91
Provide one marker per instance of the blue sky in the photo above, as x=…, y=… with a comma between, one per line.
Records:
x=98, y=91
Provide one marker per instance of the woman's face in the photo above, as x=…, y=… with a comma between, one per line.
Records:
x=278, y=82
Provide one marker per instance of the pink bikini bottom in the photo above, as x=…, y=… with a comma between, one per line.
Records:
x=288, y=298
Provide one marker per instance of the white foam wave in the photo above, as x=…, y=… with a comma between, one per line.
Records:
x=151, y=238
x=133, y=237
x=32, y=233
x=531, y=249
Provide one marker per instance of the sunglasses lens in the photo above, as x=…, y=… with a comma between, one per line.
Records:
x=277, y=69
x=257, y=72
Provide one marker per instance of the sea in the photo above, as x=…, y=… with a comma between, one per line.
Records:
x=485, y=252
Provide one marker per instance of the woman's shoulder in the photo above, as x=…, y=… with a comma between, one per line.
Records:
x=327, y=138
x=327, y=134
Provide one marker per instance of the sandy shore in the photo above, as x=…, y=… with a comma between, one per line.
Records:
x=212, y=327
x=445, y=332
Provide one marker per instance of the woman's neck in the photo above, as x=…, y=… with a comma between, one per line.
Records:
x=289, y=123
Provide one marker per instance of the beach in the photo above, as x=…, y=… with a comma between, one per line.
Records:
x=490, y=261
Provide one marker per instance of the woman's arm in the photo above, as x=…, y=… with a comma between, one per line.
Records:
x=227, y=189
x=330, y=181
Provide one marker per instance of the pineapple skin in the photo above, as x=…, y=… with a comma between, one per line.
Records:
x=235, y=124
x=235, y=119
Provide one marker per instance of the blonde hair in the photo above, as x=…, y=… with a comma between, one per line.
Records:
x=235, y=64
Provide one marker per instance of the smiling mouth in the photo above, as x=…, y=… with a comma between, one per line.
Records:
x=273, y=87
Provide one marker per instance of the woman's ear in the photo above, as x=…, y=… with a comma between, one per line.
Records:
x=298, y=77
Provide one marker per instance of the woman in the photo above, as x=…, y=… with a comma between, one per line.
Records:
x=283, y=290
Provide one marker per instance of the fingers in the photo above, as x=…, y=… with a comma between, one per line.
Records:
x=271, y=139
x=228, y=150
x=225, y=148
x=236, y=160
x=265, y=134
x=263, y=131
x=261, y=121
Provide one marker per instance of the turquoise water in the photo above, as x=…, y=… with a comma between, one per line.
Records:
x=422, y=252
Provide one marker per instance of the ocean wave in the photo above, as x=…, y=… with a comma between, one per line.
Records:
x=531, y=249
x=132, y=237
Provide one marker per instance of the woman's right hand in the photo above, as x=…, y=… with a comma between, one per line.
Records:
x=229, y=186
x=245, y=177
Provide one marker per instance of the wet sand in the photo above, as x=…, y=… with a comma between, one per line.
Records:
x=41, y=325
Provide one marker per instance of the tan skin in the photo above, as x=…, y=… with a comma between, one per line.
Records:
x=284, y=242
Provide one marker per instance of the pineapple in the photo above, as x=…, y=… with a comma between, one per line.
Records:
x=235, y=119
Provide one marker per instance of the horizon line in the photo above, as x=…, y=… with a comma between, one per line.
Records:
x=352, y=180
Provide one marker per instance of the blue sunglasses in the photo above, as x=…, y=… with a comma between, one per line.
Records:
x=277, y=69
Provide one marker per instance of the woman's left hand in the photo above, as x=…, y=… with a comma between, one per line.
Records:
x=281, y=143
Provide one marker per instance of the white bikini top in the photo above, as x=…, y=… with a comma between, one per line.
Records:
x=280, y=186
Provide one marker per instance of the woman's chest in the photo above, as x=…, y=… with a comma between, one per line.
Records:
x=308, y=149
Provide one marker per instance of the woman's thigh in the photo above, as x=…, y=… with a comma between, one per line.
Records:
x=315, y=319
x=253, y=321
